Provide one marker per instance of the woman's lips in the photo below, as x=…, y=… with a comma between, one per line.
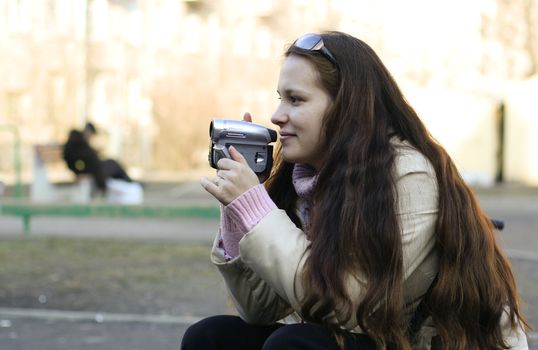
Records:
x=285, y=136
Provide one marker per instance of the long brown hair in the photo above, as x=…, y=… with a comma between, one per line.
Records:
x=360, y=231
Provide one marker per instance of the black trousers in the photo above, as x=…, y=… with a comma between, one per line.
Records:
x=232, y=333
x=113, y=169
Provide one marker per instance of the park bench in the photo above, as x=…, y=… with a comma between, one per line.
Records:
x=44, y=189
x=78, y=188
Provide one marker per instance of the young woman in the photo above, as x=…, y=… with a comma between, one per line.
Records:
x=365, y=232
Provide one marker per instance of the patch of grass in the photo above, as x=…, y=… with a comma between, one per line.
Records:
x=108, y=275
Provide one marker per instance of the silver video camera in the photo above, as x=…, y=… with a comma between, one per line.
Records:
x=251, y=140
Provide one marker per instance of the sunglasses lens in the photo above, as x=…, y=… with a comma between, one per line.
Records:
x=314, y=42
x=308, y=41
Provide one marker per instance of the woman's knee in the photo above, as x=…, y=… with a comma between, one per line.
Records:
x=204, y=334
x=305, y=336
x=302, y=336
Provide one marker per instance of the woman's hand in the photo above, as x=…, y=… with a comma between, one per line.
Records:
x=234, y=178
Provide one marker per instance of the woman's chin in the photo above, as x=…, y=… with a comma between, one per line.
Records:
x=289, y=159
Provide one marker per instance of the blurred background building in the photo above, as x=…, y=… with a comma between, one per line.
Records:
x=151, y=74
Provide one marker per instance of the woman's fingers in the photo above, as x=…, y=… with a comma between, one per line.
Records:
x=209, y=185
x=218, y=187
x=234, y=177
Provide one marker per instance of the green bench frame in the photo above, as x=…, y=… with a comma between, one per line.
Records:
x=27, y=210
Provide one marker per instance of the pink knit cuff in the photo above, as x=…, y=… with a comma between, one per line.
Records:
x=241, y=215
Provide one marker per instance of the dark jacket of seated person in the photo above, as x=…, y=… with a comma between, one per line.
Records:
x=81, y=158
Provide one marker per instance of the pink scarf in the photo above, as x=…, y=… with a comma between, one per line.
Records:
x=304, y=179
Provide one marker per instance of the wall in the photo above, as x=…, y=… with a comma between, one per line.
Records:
x=152, y=73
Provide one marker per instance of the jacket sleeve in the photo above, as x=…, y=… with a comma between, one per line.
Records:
x=276, y=251
x=515, y=339
x=417, y=209
x=255, y=301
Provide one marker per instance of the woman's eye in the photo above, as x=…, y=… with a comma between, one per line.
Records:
x=294, y=99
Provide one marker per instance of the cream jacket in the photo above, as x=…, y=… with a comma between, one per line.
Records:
x=264, y=281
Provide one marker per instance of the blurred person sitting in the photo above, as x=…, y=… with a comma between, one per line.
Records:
x=82, y=158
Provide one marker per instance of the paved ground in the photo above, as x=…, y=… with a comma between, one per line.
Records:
x=37, y=334
x=32, y=329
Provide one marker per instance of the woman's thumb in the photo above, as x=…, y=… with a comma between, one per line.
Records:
x=236, y=155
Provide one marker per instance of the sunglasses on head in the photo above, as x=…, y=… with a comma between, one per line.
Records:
x=314, y=42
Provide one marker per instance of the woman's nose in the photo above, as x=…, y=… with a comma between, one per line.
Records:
x=279, y=117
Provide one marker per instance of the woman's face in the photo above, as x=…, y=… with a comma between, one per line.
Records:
x=303, y=104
